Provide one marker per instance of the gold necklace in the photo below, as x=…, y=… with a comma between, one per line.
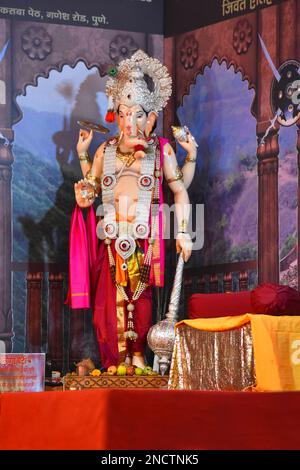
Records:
x=127, y=158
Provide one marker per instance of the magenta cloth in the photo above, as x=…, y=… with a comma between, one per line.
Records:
x=91, y=226
x=79, y=273
x=93, y=246
x=158, y=280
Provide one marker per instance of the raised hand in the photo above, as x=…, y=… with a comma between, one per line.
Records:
x=84, y=141
x=190, y=145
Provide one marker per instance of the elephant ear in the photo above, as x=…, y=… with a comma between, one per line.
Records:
x=152, y=116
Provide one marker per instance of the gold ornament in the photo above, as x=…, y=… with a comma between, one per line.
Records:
x=127, y=158
x=178, y=176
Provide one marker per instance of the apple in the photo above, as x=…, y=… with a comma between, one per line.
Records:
x=121, y=370
x=147, y=370
x=112, y=370
x=138, y=371
x=130, y=370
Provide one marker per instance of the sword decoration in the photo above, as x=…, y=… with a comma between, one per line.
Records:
x=268, y=57
x=271, y=126
x=285, y=92
x=3, y=51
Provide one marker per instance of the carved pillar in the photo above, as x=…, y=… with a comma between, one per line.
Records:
x=268, y=227
x=170, y=110
x=202, y=284
x=34, y=313
x=55, y=320
x=227, y=282
x=213, y=284
x=243, y=280
x=6, y=160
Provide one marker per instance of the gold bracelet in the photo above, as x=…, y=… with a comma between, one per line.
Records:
x=93, y=181
x=84, y=157
x=183, y=226
x=91, y=178
x=178, y=176
x=190, y=159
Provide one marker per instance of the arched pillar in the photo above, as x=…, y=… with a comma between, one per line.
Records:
x=268, y=232
x=6, y=161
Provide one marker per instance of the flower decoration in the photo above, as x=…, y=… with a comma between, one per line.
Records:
x=122, y=47
x=242, y=36
x=189, y=52
x=36, y=42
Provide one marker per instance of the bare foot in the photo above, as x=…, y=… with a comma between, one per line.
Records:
x=138, y=361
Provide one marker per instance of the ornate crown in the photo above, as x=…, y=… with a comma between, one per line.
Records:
x=128, y=86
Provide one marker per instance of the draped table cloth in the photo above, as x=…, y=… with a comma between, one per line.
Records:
x=260, y=352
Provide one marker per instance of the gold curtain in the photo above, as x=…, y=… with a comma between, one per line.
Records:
x=212, y=360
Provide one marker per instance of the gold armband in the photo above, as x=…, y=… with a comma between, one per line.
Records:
x=178, y=176
x=190, y=159
x=84, y=157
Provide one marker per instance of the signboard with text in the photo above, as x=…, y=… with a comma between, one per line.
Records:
x=22, y=372
x=186, y=15
x=129, y=15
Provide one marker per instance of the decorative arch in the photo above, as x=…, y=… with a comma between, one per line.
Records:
x=40, y=49
x=229, y=63
x=17, y=115
x=235, y=41
x=225, y=182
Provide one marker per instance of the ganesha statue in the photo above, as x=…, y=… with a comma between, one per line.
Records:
x=116, y=259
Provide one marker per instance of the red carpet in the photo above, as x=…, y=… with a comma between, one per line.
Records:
x=149, y=419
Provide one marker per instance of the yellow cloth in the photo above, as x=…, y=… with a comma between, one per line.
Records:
x=134, y=263
x=133, y=271
x=276, y=344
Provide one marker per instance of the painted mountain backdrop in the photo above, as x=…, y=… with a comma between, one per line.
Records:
x=218, y=112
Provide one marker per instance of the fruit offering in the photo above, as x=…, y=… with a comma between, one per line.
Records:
x=124, y=369
x=95, y=373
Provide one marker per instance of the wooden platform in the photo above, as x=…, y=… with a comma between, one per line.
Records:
x=75, y=382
